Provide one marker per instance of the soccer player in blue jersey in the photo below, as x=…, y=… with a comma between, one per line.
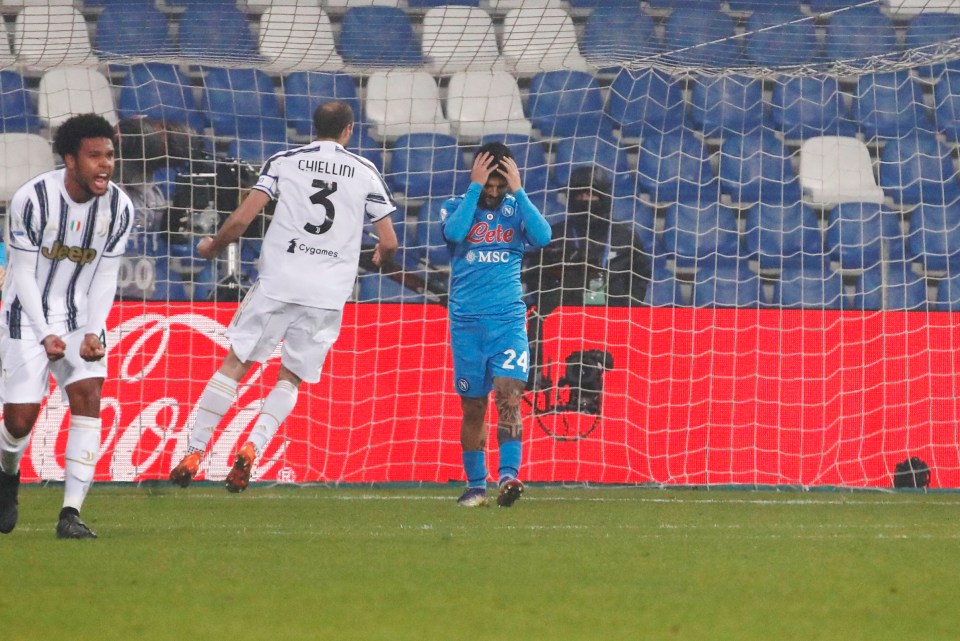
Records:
x=486, y=230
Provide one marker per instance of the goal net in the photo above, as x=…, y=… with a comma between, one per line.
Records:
x=755, y=270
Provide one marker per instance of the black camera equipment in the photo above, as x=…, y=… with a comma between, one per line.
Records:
x=578, y=391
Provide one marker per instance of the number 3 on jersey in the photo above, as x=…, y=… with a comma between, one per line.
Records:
x=513, y=361
x=322, y=197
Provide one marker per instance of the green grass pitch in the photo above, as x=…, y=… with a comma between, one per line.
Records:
x=395, y=564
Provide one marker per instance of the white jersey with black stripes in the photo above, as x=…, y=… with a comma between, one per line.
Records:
x=324, y=195
x=67, y=242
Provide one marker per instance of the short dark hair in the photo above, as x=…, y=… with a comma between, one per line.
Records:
x=498, y=150
x=70, y=134
x=331, y=118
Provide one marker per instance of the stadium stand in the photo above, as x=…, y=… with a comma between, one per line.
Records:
x=402, y=102
x=457, y=38
x=701, y=36
x=756, y=167
x=639, y=100
x=378, y=37
x=241, y=103
x=159, y=91
x=426, y=165
x=17, y=113
x=855, y=235
x=918, y=168
x=297, y=37
x=67, y=91
x=726, y=104
x=22, y=156
x=700, y=234
x=859, y=33
x=484, y=102
x=121, y=31
x=810, y=287
x=806, y=106
x=892, y=286
x=567, y=103
x=727, y=283
x=304, y=91
x=47, y=36
x=618, y=35
x=946, y=97
x=675, y=167
x=889, y=105
x=780, y=36
x=536, y=39
x=216, y=32
x=837, y=169
x=934, y=237
x=931, y=31
x=777, y=235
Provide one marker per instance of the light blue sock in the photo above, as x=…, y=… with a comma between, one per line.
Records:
x=510, y=459
x=476, y=468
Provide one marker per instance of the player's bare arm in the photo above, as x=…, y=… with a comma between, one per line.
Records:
x=383, y=252
x=55, y=347
x=235, y=225
x=91, y=349
x=510, y=170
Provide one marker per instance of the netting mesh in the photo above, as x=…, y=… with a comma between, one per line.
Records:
x=762, y=292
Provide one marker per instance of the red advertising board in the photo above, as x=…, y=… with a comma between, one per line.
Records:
x=694, y=396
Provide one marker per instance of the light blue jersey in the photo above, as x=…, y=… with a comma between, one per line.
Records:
x=485, y=265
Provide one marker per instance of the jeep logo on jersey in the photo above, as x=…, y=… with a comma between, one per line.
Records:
x=78, y=255
x=483, y=233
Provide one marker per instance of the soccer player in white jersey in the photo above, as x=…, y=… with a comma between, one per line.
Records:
x=68, y=230
x=308, y=267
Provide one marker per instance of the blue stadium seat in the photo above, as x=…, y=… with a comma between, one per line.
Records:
x=17, y=113
x=918, y=169
x=132, y=29
x=160, y=91
x=781, y=235
x=855, y=235
x=860, y=33
x=823, y=6
x=741, y=6
x=781, y=36
x=695, y=233
x=304, y=91
x=675, y=167
x=934, y=237
x=216, y=31
x=664, y=289
x=427, y=4
x=806, y=106
x=757, y=167
x=604, y=152
x=946, y=95
x=567, y=103
x=374, y=287
x=727, y=283
x=618, y=35
x=903, y=290
x=645, y=100
x=427, y=165
x=674, y=5
x=701, y=36
x=241, y=103
x=809, y=287
x=272, y=140
x=948, y=294
x=361, y=142
x=429, y=237
x=602, y=4
x=379, y=36
x=927, y=30
x=889, y=105
x=726, y=104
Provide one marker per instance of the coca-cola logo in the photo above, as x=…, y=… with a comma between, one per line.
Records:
x=159, y=365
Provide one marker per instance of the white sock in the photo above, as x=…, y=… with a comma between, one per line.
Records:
x=279, y=403
x=83, y=450
x=11, y=450
x=216, y=399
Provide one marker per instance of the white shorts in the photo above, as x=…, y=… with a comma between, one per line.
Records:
x=307, y=333
x=26, y=369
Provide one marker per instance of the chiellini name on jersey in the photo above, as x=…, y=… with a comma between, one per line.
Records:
x=325, y=167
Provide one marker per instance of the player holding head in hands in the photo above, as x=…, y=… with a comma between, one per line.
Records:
x=68, y=230
x=308, y=267
x=486, y=229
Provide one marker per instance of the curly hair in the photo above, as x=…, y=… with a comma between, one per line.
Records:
x=70, y=134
